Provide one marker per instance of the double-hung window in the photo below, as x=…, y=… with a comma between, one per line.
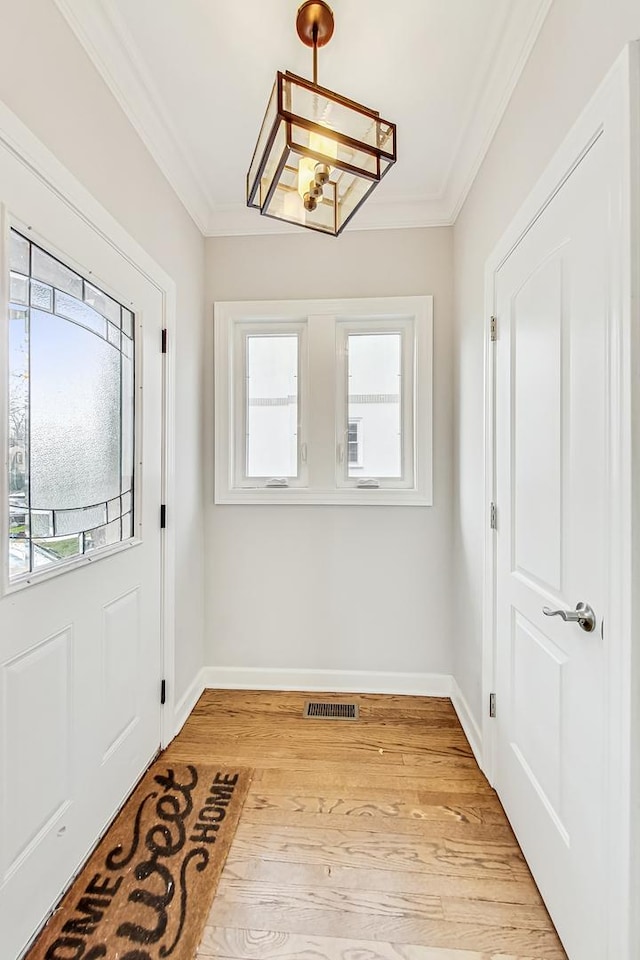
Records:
x=324, y=401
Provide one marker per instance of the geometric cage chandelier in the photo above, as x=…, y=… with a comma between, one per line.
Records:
x=319, y=155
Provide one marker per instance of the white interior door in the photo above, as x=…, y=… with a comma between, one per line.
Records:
x=553, y=297
x=80, y=644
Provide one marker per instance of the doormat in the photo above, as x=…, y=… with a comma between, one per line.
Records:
x=146, y=890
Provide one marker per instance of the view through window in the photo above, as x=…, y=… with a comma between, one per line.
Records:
x=375, y=404
x=272, y=406
x=71, y=413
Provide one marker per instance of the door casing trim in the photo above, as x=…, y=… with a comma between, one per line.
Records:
x=615, y=111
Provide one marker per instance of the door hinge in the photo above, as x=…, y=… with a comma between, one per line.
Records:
x=493, y=328
x=163, y=692
x=164, y=341
x=163, y=515
x=492, y=705
x=493, y=519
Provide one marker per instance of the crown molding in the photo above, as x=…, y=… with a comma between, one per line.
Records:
x=519, y=35
x=237, y=220
x=107, y=41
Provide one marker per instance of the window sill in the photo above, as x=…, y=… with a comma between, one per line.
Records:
x=73, y=563
x=347, y=498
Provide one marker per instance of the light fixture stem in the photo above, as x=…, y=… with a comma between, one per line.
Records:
x=315, y=54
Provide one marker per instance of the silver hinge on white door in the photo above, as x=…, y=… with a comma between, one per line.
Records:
x=492, y=705
x=493, y=517
x=493, y=329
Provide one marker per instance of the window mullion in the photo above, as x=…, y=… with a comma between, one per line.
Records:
x=322, y=415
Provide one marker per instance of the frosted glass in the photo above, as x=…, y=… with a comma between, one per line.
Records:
x=41, y=523
x=44, y=267
x=102, y=303
x=113, y=509
x=272, y=406
x=18, y=411
x=374, y=405
x=75, y=521
x=18, y=289
x=126, y=502
x=41, y=295
x=126, y=480
x=75, y=415
x=18, y=253
x=79, y=312
x=113, y=335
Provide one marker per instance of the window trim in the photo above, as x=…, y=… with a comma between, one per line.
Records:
x=318, y=426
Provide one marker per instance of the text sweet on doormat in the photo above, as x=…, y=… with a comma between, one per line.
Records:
x=146, y=890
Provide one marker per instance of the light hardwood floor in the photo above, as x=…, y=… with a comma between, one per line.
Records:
x=371, y=840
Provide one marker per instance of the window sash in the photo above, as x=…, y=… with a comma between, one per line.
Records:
x=405, y=328
x=239, y=425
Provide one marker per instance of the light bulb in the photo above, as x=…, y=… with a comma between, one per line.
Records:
x=307, y=182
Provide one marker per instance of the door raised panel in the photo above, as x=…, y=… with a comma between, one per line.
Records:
x=537, y=426
x=538, y=669
x=121, y=663
x=36, y=724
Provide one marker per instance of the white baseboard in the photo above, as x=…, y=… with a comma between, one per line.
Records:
x=188, y=701
x=467, y=720
x=331, y=681
x=328, y=681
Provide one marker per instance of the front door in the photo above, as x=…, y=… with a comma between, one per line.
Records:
x=80, y=624
x=552, y=300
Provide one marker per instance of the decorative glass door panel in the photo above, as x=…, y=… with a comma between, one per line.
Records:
x=71, y=414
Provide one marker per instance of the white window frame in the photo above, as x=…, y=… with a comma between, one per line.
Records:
x=322, y=326
x=242, y=331
x=406, y=328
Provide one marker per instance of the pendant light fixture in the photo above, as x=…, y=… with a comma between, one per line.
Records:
x=319, y=155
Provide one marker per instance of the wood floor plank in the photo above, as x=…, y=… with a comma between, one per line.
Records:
x=414, y=807
x=290, y=916
x=379, y=839
x=339, y=877
x=493, y=912
x=372, y=903
x=369, y=777
x=374, y=821
x=458, y=857
x=234, y=944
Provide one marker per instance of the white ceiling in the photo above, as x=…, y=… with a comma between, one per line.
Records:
x=194, y=77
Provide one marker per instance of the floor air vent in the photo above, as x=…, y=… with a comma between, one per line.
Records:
x=317, y=710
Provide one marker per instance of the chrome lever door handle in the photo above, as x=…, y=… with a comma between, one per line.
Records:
x=583, y=615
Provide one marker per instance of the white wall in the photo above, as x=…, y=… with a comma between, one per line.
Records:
x=48, y=81
x=320, y=587
x=578, y=43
